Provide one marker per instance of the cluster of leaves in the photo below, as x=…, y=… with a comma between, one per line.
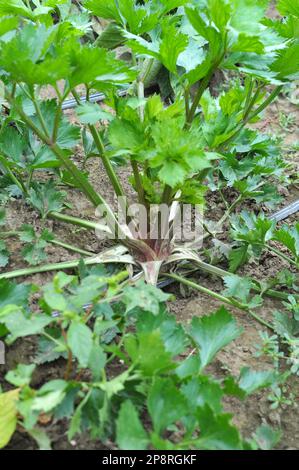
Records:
x=282, y=348
x=253, y=168
x=34, y=243
x=253, y=235
x=128, y=362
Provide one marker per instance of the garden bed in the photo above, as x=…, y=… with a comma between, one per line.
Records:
x=276, y=407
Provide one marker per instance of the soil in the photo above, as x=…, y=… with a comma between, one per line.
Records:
x=248, y=415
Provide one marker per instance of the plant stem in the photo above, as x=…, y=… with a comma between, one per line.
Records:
x=73, y=248
x=88, y=224
x=105, y=159
x=140, y=94
x=138, y=181
x=214, y=270
x=46, y=268
x=248, y=118
x=39, y=115
x=106, y=162
x=166, y=196
x=81, y=181
x=146, y=71
x=281, y=255
x=249, y=94
x=29, y=180
x=266, y=103
x=8, y=234
x=202, y=86
x=220, y=297
x=83, y=184
x=205, y=290
x=69, y=364
x=51, y=338
x=56, y=122
x=186, y=98
x=67, y=246
x=229, y=210
x=17, y=182
x=252, y=102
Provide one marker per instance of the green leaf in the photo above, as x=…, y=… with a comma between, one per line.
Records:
x=267, y=437
x=176, y=153
x=216, y=431
x=201, y=391
x=245, y=9
x=91, y=113
x=148, y=298
x=288, y=7
x=8, y=416
x=26, y=57
x=199, y=24
x=111, y=37
x=130, y=434
x=211, y=333
x=44, y=158
x=104, y=9
x=220, y=12
x=34, y=251
x=55, y=300
x=251, y=380
x=287, y=63
x=137, y=16
x=253, y=230
x=21, y=375
x=45, y=198
x=14, y=294
x=237, y=257
x=289, y=237
x=8, y=7
x=115, y=385
x=97, y=361
x=166, y=404
x=247, y=43
x=149, y=353
x=68, y=135
x=95, y=66
x=27, y=233
x=199, y=72
x=167, y=49
x=47, y=351
x=48, y=401
x=20, y=325
x=171, y=174
x=7, y=24
x=238, y=287
x=172, y=44
x=12, y=145
x=172, y=333
x=79, y=339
